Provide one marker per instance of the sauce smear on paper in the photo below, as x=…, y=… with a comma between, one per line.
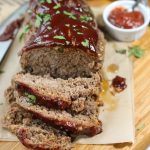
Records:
x=113, y=68
x=119, y=84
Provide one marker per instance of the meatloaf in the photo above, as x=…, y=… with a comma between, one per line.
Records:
x=33, y=133
x=72, y=124
x=72, y=94
x=62, y=40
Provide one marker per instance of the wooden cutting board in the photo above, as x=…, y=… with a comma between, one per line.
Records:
x=142, y=101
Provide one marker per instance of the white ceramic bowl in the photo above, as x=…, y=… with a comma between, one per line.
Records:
x=126, y=35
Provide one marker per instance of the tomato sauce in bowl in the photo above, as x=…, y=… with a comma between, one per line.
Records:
x=122, y=18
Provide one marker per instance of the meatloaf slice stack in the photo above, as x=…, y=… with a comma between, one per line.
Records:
x=33, y=133
x=65, y=42
x=72, y=124
x=73, y=94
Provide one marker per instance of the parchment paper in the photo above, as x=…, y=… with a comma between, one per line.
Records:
x=118, y=125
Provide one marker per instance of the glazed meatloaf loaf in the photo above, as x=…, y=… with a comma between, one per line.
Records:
x=62, y=40
x=74, y=95
x=33, y=133
x=72, y=124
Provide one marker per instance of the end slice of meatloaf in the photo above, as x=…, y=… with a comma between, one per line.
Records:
x=34, y=133
x=69, y=48
x=59, y=93
x=72, y=124
x=39, y=139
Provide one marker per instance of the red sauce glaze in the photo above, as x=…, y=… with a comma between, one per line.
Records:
x=43, y=100
x=77, y=27
x=120, y=17
x=70, y=127
x=10, y=29
x=119, y=84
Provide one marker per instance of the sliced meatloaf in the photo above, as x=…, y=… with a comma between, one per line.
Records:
x=34, y=133
x=73, y=124
x=63, y=40
x=71, y=94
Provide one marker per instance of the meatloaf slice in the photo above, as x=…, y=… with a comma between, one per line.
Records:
x=73, y=124
x=34, y=133
x=69, y=48
x=59, y=93
x=39, y=139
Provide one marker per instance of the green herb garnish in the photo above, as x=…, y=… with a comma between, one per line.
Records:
x=26, y=29
x=136, y=51
x=85, y=18
x=121, y=51
x=40, y=18
x=57, y=6
x=49, y=1
x=71, y=15
x=32, y=98
x=60, y=37
x=80, y=33
x=47, y=17
x=44, y=1
x=85, y=43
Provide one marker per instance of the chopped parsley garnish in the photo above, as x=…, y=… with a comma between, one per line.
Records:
x=136, y=51
x=49, y=1
x=40, y=18
x=26, y=29
x=121, y=51
x=85, y=18
x=60, y=37
x=85, y=43
x=57, y=6
x=71, y=15
x=44, y=1
x=47, y=17
x=32, y=98
x=80, y=33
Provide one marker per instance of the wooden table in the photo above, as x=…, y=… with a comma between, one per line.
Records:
x=142, y=102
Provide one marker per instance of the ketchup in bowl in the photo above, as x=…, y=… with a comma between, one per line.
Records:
x=122, y=18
